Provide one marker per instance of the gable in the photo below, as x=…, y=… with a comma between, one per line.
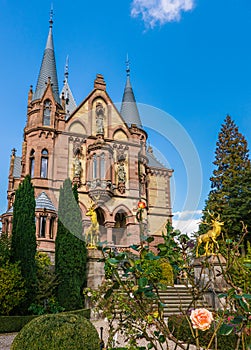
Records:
x=98, y=114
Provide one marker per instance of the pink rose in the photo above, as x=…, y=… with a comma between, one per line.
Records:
x=201, y=319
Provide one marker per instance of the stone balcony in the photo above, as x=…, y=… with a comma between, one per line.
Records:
x=100, y=191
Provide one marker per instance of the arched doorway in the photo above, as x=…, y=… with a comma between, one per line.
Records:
x=101, y=221
x=119, y=230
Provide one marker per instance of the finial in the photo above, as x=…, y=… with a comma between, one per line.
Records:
x=13, y=152
x=51, y=16
x=66, y=70
x=127, y=65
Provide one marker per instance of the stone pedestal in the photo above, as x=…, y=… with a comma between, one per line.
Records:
x=95, y=268
x=208, y=274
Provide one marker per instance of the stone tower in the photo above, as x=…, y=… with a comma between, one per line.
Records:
x=103, y=150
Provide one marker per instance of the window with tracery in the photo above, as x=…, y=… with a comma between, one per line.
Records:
x=44, y=164
x=47, y=113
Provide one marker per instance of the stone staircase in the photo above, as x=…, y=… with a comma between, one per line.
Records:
x=179, y=299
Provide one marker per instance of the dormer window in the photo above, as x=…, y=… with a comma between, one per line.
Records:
x=32, y=162
x=47, y=113
x=44, y=164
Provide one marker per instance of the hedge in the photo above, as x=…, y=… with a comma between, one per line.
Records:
x=9, y=324
x=64, y=331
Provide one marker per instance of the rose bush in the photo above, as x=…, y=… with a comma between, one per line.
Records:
x=201, y=319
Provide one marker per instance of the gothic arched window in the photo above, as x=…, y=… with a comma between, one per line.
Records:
x=102, y=166
x=42, y=226
x=32, y=163
x=47, y=113
x=44, y=164
x=95, y=168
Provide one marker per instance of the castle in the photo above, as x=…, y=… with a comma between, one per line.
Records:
x=101, y=149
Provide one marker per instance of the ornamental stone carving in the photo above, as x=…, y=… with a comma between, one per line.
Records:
x=100, y=113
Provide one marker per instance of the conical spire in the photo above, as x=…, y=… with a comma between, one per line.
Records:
x=48, y=68
x=129, y=109
x=70, y=103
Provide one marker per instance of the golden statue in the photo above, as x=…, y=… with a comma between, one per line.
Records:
x=210, y=236
x=92, y=232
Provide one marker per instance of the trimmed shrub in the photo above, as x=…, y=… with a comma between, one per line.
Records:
x=179, y=326
x=59, y=331
x=9, y=324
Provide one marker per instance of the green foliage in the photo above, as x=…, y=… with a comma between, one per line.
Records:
x=131, y=293
x=133, y=303
x=166, y=272
x=180, y=328
x=231, y=181
x=174, y=248
x=44, y=300
x=23, y=243
x=49, y=306
x=5, y=243
x=12, y=290
x=61, y=331
x=70, y=250
x=9, y=324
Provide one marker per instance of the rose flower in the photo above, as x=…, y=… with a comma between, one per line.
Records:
x=201, y=319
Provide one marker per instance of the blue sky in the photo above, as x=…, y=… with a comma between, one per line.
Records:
x=189, y=58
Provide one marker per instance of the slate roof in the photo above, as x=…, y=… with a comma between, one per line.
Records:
x=70, y=103
x=48, y=69
x=152, y=161
x=17, y=167
x=129, y=110
x=43, y=201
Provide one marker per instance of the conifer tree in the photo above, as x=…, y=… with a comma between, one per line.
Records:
x=70, y=249
x=231, y=181
x=23, y=241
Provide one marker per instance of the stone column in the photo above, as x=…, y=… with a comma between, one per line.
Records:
x=109, y=227
x=95, y=268
x=47, y=227
x=10, y=224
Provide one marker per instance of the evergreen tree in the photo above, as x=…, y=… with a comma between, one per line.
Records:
x=70, y=249
x=231, y=182
x=23, y=241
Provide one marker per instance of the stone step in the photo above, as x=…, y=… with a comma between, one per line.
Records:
x=179, y=299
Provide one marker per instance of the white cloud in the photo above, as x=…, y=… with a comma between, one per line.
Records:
x=187, y=221
x=160, y=11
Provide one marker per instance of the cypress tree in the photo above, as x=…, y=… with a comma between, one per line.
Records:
x=23, y=240
x=70, y=249
x=231, y=181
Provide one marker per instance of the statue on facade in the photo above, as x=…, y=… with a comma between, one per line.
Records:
x=77, y=167
x=121, y=178
x=100, y=119
x=121, y=173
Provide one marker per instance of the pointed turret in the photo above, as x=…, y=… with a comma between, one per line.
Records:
x=129, y=109
x=48, y=68
x=70, y=103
